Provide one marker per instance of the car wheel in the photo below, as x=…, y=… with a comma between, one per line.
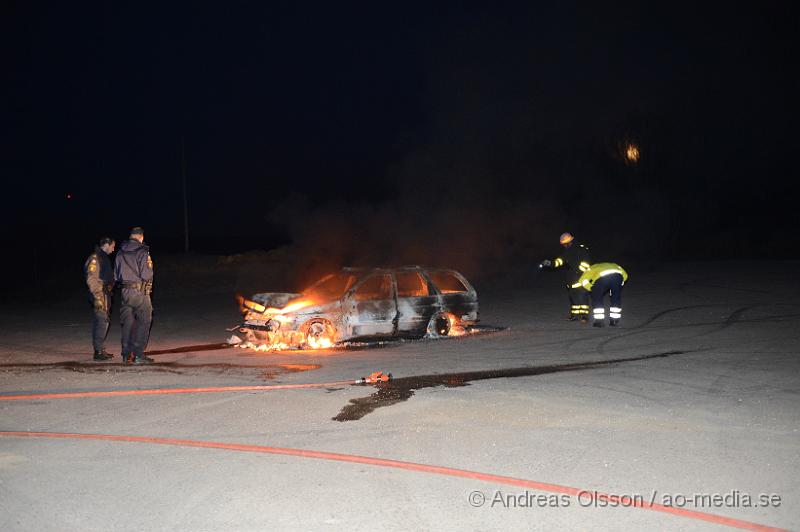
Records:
x=439, y=326
x=319, y=334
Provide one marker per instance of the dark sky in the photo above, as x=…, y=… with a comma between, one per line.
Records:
x=499, y=125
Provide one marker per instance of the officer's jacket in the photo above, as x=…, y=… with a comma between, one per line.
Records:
x=133, y=264
x=98, y=272
x=574, y=260
x=596, y=271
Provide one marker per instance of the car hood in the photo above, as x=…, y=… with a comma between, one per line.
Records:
x=282, y=299
x=275, y=299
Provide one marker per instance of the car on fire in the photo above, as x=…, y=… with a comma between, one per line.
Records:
x=356, y=304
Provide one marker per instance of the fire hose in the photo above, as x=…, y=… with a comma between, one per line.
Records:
x=374, y=378
x=411, y=466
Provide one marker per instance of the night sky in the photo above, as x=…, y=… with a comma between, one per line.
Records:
x=393, y=132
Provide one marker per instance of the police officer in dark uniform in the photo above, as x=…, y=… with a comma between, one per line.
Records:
x=99, y=275
x=574, y=260
x=133, y=269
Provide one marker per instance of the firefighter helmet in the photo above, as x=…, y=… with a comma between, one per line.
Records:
x=566, y=238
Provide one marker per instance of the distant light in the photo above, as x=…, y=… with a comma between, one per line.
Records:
x=69, y=195
x=632, y=153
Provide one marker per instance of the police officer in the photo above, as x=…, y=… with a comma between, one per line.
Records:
x=574, y=260
x=99, y=275
x=601, y=279
x=133, y=269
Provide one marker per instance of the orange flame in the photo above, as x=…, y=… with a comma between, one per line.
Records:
x=291, y=307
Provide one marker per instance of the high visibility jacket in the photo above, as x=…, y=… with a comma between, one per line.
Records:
x=574, y=260
x=596, y=271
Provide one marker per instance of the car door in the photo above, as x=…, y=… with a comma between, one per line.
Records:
x=457, y=295
x=372, y=307
x=416, y=303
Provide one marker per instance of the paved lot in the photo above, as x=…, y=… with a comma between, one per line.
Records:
x=717, y=414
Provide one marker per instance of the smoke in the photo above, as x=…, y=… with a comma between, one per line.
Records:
x=480, y=239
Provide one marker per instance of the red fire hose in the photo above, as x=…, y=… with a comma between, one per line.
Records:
x=409, y=466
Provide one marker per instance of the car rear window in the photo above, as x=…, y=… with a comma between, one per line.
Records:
x=376, y=287
x=411, y=284
x=447, y=283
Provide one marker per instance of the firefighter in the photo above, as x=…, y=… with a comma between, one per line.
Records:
x=601, y=279
x=99, y=274
x=574, y=260
x=133, y=269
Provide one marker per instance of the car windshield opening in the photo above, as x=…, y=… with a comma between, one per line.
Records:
x=330, y=287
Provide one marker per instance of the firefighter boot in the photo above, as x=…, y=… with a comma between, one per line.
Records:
x=597, y=324
x=613, y=322
x=143, y=360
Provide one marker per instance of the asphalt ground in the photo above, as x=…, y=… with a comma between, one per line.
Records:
x=696, y=424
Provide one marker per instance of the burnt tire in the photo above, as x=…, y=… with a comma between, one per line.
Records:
x=317, y=329
x=438, y=326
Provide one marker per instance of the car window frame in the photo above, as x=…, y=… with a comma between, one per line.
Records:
x=419, y=274
x=359, y=284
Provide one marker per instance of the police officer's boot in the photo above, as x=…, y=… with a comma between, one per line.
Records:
x=102, y=355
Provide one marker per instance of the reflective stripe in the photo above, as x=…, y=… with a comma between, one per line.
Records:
x=576, y=285
x=559, y=261
x=583, y=266
x=609, y=272
x=615, y=309
x=587, y=306
x=615, y=315
x=584, y=283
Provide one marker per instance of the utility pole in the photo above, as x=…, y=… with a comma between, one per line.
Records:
x=185, y=200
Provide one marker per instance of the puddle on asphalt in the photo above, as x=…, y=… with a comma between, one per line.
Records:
x=190, y=349
x=402, y=389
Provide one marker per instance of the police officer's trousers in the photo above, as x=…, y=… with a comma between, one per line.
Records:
x=136, y=316
x=101, y=319
x=612, y=285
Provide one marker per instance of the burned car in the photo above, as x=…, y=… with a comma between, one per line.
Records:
x=356, y=304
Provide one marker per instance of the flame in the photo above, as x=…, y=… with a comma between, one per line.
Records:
x=319, y=343
x=291, y=307
x=297, y=305
x=285, y=340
